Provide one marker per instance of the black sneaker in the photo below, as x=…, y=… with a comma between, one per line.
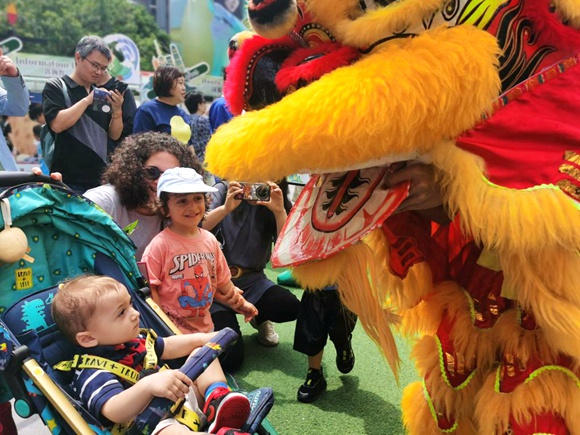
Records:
x=312, y=387
x=344, y=358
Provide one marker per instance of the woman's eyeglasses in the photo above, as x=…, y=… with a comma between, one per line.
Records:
x=152, y=172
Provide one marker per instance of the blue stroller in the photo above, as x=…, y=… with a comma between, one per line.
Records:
x=68, y=235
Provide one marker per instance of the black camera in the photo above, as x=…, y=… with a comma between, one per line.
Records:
x=254, y=192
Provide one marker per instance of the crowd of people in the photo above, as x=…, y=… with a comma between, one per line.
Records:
x=144, y=166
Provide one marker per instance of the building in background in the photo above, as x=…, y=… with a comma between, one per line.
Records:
x=160, y=9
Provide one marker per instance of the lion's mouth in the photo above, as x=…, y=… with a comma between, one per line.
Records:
x=335, y=211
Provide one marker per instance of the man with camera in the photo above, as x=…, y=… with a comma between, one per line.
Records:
x=246, y=219
x=79, y=120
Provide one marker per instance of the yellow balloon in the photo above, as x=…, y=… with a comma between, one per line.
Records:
x=180, y=130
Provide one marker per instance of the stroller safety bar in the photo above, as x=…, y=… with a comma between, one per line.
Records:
x=193, y=367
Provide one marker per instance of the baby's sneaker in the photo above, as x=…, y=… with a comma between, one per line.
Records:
x=226, y=409
x=230, y=431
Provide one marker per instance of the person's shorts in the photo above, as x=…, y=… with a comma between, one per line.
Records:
x=321, y=315
x=191, y=403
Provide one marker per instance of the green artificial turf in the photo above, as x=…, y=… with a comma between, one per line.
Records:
x=365, y=401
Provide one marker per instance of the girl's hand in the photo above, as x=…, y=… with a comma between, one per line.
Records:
x=248, y=310
x=231, y=297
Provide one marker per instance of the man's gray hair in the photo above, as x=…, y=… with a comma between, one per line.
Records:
x=91, y=43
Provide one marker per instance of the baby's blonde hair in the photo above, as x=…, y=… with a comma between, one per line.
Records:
x=75, y=302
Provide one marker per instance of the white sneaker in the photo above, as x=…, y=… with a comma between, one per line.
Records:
x=266, y=334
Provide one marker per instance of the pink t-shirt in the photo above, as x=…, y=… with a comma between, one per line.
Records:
x=188, y=273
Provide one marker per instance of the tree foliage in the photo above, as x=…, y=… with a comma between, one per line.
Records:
x=55, y=26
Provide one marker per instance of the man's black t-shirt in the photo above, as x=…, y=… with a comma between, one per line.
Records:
x=80, y=152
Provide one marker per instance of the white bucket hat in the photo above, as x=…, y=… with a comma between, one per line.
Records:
x=182, y=180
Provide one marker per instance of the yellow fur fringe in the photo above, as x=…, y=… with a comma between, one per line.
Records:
x=450, y=402
x=570, y=10
x=550, y=390
x=418, y=419
x=351, y=270
x=404, y=93
x=548, y=284
x=404, y=293
x=536, y=235
x=507, y=220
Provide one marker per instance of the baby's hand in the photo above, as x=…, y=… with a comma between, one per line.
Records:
x=171, y=384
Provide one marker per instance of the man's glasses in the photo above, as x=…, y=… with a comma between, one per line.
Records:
x=97, y=67
x=152, y=172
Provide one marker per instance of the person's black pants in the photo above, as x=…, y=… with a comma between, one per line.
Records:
x=322, y=316
x=277, y=304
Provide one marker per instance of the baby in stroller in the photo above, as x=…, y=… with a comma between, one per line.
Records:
x=68, y=236
x=96, y=313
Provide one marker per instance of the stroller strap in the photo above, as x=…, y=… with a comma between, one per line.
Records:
x=96, y=362
x=181, y=413
x=127, y=373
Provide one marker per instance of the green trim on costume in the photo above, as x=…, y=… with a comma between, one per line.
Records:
x=444, y=372
x=434, y=413
x=564, y=370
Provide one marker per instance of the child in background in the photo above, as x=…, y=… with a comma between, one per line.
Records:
x=96, y=313
x=36, y=133
x=185, y=264
x=322, y=316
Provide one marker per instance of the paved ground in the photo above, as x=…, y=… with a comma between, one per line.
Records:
x=29, y=426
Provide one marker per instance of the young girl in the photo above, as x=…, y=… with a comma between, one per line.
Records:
x=186, y=267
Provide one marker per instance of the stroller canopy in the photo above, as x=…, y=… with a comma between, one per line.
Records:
x=65, y=233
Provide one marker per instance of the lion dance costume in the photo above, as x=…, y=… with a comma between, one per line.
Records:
x=486, y=91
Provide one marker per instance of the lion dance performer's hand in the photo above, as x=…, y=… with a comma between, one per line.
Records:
x=425, y=195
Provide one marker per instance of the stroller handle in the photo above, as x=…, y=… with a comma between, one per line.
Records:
x=14, y=178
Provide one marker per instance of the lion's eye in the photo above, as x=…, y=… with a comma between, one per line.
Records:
x=384, y=2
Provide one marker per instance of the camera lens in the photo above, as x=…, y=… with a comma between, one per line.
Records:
x=262, y=192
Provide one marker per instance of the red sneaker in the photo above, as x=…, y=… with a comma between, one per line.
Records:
x=226, y=409
x=230, y=431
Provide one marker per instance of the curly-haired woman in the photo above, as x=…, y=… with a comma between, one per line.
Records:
x=129, y=187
